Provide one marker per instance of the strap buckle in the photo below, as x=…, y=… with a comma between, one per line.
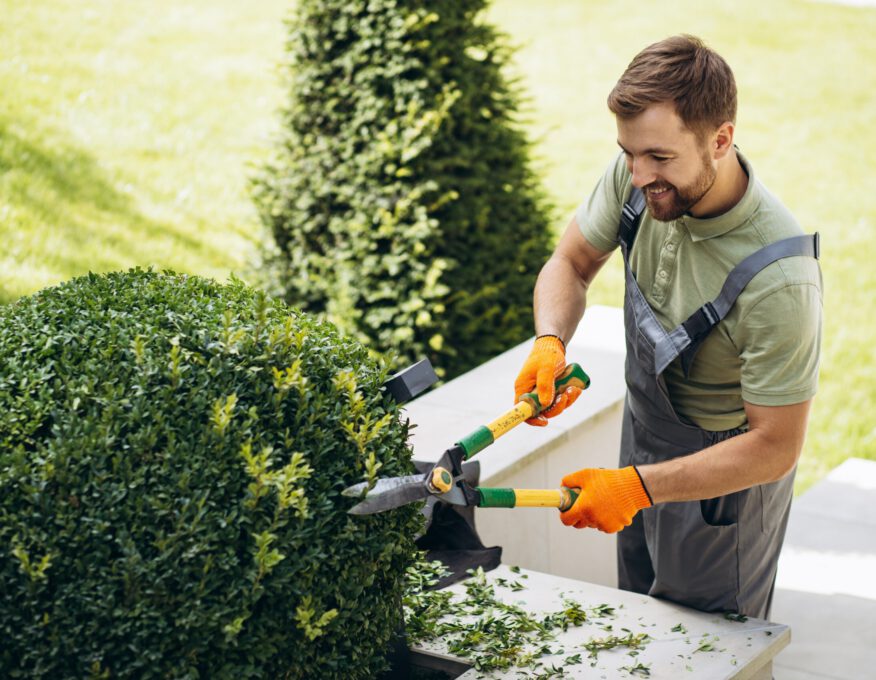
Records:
x=710, y=313
x=629, y=213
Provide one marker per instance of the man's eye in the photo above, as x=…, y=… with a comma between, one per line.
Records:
x=661, y=159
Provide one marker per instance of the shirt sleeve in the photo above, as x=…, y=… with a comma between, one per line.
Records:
x=780, y=346
x=599, y=216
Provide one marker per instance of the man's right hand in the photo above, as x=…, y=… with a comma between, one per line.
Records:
x=545, y=363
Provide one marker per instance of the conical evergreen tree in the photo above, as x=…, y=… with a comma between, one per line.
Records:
x=401, y=202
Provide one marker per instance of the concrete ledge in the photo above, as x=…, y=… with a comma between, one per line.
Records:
x=744, y=651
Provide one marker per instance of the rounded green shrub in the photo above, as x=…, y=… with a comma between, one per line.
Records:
x=401, y=202
x=172, y=453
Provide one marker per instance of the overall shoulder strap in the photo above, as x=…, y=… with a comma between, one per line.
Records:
x=631, y=215
x=701, y=322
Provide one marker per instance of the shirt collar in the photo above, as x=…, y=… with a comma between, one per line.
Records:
x=702, y=229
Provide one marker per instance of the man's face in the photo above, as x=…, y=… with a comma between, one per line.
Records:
x=671, y=165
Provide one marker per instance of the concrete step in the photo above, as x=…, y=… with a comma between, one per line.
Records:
x=826, y=584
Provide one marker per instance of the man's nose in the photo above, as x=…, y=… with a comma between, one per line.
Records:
x=643, y=173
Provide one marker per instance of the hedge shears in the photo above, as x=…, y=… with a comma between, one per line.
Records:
x=445, y=480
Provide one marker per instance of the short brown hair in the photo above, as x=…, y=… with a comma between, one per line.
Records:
x=682, y=70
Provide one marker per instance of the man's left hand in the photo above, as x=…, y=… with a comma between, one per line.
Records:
x=608, y=500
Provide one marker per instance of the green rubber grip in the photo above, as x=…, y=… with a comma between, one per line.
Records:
x=492, y=497
x=476, y=441
x=572, y=376
x=573, y=496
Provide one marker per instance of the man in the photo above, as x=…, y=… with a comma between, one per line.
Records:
x=723, y=324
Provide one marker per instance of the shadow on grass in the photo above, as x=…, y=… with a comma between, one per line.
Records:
x=71, y=217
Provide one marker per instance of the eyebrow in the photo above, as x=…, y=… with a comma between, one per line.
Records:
x=655, y=150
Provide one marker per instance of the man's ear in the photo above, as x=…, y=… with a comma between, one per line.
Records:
x=723, y=140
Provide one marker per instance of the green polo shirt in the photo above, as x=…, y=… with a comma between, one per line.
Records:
x=766, y=350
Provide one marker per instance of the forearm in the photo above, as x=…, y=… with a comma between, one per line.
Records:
x=734, y=464
x=561, y=290
x=559, y=300
x=767, y=452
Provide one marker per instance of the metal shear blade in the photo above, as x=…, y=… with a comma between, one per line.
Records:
x=388, y=494
x=394, y=492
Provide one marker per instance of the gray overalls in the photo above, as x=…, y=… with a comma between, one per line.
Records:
x=713, y=555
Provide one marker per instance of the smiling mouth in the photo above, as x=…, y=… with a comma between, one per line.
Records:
x=658, y=192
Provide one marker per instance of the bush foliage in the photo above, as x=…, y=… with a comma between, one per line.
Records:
x=401, y=203
x=172, y=452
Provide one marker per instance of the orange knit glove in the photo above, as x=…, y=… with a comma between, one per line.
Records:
x=540, y=371
x=608, y=501
x=562, y=401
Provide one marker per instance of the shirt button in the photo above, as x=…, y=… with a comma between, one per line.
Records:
x=670, y=247
x=662, y=274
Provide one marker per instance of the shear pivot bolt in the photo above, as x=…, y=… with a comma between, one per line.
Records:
x=441, y=480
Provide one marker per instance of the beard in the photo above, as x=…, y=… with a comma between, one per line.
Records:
x=680, y=199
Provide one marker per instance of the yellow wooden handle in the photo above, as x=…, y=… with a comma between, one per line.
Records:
x=538, y=498
x=493, y=497
x=511, y=419
x=562, y=498
x=526, y=408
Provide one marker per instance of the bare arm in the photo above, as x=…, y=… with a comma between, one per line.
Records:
x=766, y=453
x=561, y=290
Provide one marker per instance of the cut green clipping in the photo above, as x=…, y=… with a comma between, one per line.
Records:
x=497, y=498
x=476, y=441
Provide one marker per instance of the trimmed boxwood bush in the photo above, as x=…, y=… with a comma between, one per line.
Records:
x=401, y=203
x=172, y=453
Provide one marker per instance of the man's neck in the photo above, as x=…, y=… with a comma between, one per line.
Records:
x=730, y=185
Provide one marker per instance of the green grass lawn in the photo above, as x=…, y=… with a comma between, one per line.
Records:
x=127, y=131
